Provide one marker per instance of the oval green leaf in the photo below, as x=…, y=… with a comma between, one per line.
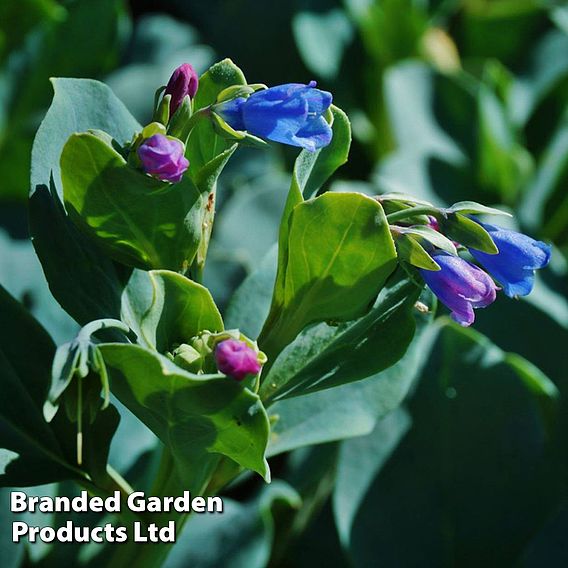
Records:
x=195, y=415
x=138, y=220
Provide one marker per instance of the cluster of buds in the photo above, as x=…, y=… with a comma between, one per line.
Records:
x=293, y=113
x=159, y=150
x=432, y=240
x=228, y=352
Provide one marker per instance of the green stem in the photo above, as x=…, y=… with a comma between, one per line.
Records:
x=115, y=483
x=413, y=212
x=192, y=122
x=168, y=483
x=120, y=483
x=80, y=421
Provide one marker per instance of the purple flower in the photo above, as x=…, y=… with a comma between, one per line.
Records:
x=184, y=81
x=236, y=359
x=291, y=114
x=460, y=285
x=163, y=158
x=518, y=257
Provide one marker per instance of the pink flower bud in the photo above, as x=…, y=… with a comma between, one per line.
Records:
x=236, y=359
x=163, y=158
x=184, y=81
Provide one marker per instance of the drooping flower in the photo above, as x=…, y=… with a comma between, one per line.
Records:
x=518, y=257
x=163, y=158
x=291, y=114
x=184, y=81
x=236, y=359
x=460, y=285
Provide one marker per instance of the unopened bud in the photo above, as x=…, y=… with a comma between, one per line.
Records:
x=236, y=359
x=183, y=82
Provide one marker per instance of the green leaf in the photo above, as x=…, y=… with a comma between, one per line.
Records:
x=19, y=18
x=360, y=460
x=235, y=92
x=34, y=452
x=321, y=39
x=308, y=176
x=349, y=410
x=471, y=207
x=100, y=110
x=57, y=46
x=543, y=389
x=124, y=455
x=136, y=219
x=432, y=236
x=83, y=280
x=195, y=415
x=328, y=159
x=250, y=303
x=78, y=359
x=242, y=537
x=410, y=250
x=164, y=308
x=427, y=161
x=546, y=184
x=340, y=253
x=545, y=70
x=326, y=357
x=468, y=233
x=204, y=144
x=352, y=409
x=203, y=214
x=12, y=553
x=226, y=131
x=480, y=455
x=403, y=199
x=22, y=276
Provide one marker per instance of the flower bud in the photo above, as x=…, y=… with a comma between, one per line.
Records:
x=163, y=158
x=183, y=82
x=236, y=359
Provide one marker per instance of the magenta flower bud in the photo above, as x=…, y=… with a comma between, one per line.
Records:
x=236, y=359
x=184, y=81
x=163, y=158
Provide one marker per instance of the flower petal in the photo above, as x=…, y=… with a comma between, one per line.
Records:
x=316, y=134
x=518, y=257
x=460, y=286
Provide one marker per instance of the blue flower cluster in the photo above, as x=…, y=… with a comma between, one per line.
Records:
x=462, y=286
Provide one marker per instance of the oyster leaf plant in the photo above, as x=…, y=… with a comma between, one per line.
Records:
x=121, y=216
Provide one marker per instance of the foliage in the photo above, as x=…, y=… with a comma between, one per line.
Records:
x=391, y=436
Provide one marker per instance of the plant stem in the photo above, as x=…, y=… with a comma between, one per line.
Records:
x=168, y=483
x=413, y=212
x=121, y=484
x=192, y=122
